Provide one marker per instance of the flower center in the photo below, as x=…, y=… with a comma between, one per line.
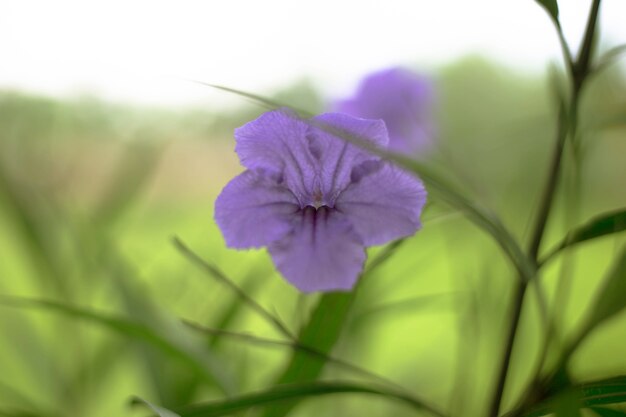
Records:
x=318, y=200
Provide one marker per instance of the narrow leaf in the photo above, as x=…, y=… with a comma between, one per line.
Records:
x=551, y=7
x=607, y=412
x=120, y=325
x=160, y=411
x=611, y=300
x=602, y=392
x=286, y=392
x=602, y=225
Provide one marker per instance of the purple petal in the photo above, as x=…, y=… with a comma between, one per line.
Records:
x=321, y=254
x=254, y=210
x=383, y=203
x=403, y=100
x=277, y=142
x=337, y=156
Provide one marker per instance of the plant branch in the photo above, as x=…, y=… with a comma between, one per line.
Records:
x=579, y=71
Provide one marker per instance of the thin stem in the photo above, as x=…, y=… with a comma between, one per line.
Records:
x=568, y=118
x=518, y=301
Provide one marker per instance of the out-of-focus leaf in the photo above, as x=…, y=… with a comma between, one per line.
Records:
x=131, y=176
x=607, y=412
x=321, y=333
x=266, y=102
x=612, y=297
x=602, y=392
x=300, y=391
x=602, y=225
x=160, y=411
x=551, y=6
x=25, y=212
x=223, y=279
x=407, y=306
x=123, y=326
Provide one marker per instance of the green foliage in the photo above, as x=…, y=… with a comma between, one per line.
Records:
x=87, y=218
x=607, y=412
x=160, y=411
x=551, y=7
x=281, y=393
x=602, y=392
x=599, y=226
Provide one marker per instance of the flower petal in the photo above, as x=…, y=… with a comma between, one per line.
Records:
x=254, y=210
x=321, y=254
x=403, y=100
x=277, y=142
x=337, y=156
x=383, y=202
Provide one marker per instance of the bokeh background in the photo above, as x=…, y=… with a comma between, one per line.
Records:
x=109, y=150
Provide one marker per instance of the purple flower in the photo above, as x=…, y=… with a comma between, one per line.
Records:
x=403, y=100
x=315, y=200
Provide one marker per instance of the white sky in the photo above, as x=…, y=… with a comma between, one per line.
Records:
x=143, y=50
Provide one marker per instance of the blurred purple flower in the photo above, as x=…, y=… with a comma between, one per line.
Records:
x=315, y=200
x=403, y=100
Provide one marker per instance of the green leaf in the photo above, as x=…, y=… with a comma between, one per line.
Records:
x=602, y=392
x=126, y=327
x=160, y=411
x=223, y=279
x=285, y=392
x=552, y=7
x=611, y=300
x=602, y=225
x=131, y=176
x=320, y=333
x=607, y=412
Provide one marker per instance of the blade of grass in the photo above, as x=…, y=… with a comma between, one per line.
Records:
x=602, y=225
x=122, y=326
x=160, y=411
x=252, y=339
x=220, y=277
x=298, y=391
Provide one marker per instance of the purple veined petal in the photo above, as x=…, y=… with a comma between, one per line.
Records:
x=321, y=254
x=254, y=210
x=403, y=100
x=338, y=156
x=277, y=141
x=382, y=203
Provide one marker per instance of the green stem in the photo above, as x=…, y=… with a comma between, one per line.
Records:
x=579, y=71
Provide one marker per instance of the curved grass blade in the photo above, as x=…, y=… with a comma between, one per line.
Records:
x=607, y=412
x=131, y=176
x=122, y=326
x=551, y=7
x=609, y=302
x=589, y=394
x=264, y=101
x=298, y=391
x=599, y=226
x=260, y=341
x=223, y=279
x=160, y=411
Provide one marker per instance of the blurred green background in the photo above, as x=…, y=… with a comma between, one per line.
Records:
x=92, y=194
